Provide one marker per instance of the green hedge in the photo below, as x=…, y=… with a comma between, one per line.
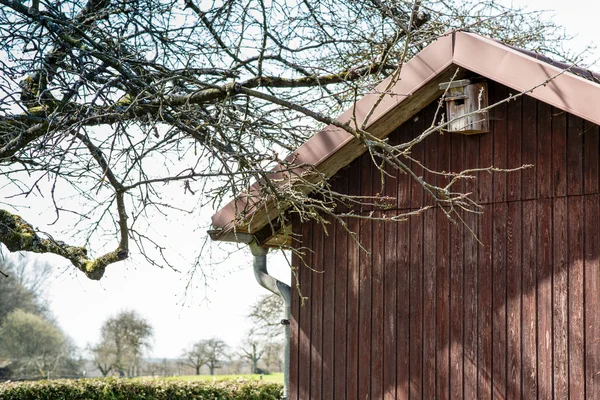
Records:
x=125, y=389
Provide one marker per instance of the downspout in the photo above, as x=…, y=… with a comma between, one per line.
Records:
x=267, y=281
x=259, y=263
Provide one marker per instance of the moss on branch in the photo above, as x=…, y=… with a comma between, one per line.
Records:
x=18, y=235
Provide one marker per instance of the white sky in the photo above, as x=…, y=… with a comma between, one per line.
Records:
x=81, y=305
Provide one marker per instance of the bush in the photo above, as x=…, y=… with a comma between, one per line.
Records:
x=124, y=389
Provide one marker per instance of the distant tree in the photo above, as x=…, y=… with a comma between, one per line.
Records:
x=266, y=332
x=35, y=344
x=164, y=367
x=252, y=350
x=216, y=351
x=273, y=356
x=235, y=363
x=103, y=355
x=265, y=316
x=22, y=285
x=152, y=368
x=196, y=355
x=123, y=340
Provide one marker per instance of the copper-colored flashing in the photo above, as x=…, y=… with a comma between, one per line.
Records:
x=486, y=57
x=522, y=72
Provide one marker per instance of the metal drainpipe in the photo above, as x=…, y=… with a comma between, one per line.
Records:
x=267, y=281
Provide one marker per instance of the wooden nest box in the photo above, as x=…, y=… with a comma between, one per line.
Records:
x=464, y=101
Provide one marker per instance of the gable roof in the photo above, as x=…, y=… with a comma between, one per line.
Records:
x=572, y=89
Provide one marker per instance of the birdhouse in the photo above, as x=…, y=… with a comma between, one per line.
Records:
x=465, y=102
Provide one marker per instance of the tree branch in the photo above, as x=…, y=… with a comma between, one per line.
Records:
x=18, y=235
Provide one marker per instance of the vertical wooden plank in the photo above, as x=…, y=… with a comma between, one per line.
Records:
x=390, y=328
x=513, y=307
x=403, y=308
x=499, y=210
x=591, y=267
x=429, y=296
x=304, y=273
x=559, y=297
x=575, y=229
x=403, y=271
x=513, y=250
x=529, y=148
x=377, y=316
x=499, y=300
x=529, y=356
x=364, y=312
x=329, y=288
x=416, y=276
x=365, y=292
x=544, y=156
x=591, y=157
x=544, y=296
x=340, y=316
x=316, y=358
x=416, y=307
x=576, y=381
x=484, y=314
x=340, y=321
x=352, y=312
x=471, y=249
x=544, y=251
x=591, y=298
x=559, y=151
x=295, y=309
x=484, y=320
x=514, y=153
x=442, y=308
x=442, y=289
x=390, y=277
x=429, y=272
x=352, y=349
x=456, y=316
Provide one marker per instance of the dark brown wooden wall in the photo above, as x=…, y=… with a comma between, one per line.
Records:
x=430, y=313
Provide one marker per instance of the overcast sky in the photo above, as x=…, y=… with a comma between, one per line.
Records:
x=81, y=305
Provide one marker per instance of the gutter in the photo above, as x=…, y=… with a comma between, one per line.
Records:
x=259, y=264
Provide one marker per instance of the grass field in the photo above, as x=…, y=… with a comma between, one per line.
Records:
x=277, y=377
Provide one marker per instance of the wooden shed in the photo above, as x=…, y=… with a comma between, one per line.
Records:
x=428, y=312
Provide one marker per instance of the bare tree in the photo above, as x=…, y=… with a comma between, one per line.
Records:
x=106, y=105
x=123, y=340
x=252, y=349
x=216, y=351
x=265, y=316
x=196, y=355
x=103, y=356
x=273, y=356
x=266, y=332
